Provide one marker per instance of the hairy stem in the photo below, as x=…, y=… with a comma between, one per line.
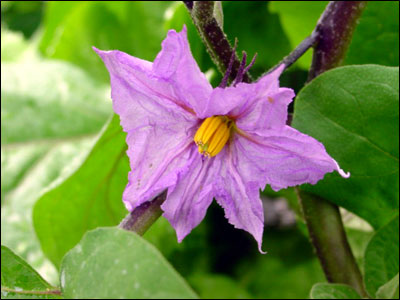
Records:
x=334, y=32
x=142, y=217
x=203, y=14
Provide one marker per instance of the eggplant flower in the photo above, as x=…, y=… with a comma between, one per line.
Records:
x=202, y=143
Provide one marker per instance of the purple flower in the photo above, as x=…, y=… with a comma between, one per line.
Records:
x=202, y=143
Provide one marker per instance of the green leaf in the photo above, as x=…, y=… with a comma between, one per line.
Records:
x=20, y=281
x=90, y=198
x=59, y=101
x=72, y=28
x=298, y=19
x=390, y=290
x=382, y=257
x=114, y=263
x=354, y=112
x=376, y=37
x=50, y=113
x=44, y=165
x=333, y=291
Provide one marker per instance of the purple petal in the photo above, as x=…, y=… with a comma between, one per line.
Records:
x=284, y=158
x=176, y=64
x=188, y=200
x=255, y=107
x=138, y=96
x=158, y=155
x=160, y=129
x=269, y=106
x=238, y=193
x=266, y=112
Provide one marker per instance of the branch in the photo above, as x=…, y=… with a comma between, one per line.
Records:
x=290, y=59
x=334, y=31
x=142, y=217
x=203, y=14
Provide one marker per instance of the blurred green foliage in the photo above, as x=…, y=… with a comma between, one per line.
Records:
x=55, y=100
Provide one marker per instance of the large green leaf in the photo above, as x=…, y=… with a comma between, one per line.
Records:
x=50, y=112
x=49, y=99
x=382, y=257
x=376, y=38
x=354, y=112
x=113, y=263
x=44, y=164
x=20, y=281
x=72, y=28
x=333, y=291
x=90, y=198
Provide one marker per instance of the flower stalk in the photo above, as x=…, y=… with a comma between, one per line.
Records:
x=141, y=218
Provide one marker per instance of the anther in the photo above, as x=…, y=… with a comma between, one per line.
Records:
x=213, y=134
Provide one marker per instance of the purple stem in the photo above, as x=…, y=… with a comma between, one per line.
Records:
x=189, y=4
x=306, y=44
x=142, y=217
x=335, y=31
x=214, y=38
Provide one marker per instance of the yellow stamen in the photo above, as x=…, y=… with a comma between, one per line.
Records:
x=213, y=134
x=202, y=128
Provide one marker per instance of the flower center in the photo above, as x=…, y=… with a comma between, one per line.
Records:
x=213, y=134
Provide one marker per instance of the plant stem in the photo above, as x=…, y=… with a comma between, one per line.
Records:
x=293, y=56
x=142, y=217
x=214, y=38
x=334, y=31
x=329, y=239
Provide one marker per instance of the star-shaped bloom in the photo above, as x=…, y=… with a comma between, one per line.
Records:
x=202, y=143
